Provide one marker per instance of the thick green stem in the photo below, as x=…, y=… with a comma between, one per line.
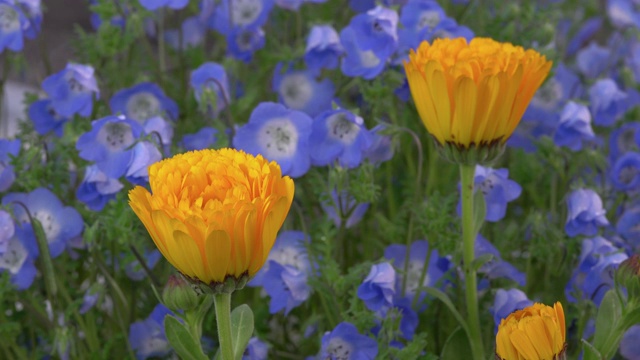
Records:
x=223, y=319
x=470, y=279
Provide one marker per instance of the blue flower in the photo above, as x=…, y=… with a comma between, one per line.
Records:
x=586, y=213
x=136, y=272
x=627, y=227
x=379, y=287
x=18, y=257
x=323, y=48
x=211, y=77
x=419, y=14
x=608, y=102
x=32, y=10
x=147, y=337
x=506, y=302
x=45, y=119
x=630, y=343
x=632, y=60
x=160, y=130
x=625, y=172
x=279, y=134
x=242, y=43
x=447, y=28
x=624, y=139
x=71, y=90
x=12, y=24
x=109, y=144
x=246, y=15
x=191, y=34
x=381, y=149
x=7, y=230
x=144, y=154
x=299, y=90
x=409, y=321
x=256, y=350
x=343, y=206
x=142, y=102
x=438, y=266
x=593, y=60
x=345, y=342
x=204, y=138
x=496, y=267
x=156, y=4
x=497, y=189
x=574, y=127
x=8, y=150
x=338, y=135
x=97, y=188
x=586, y=32
x=361, y=5
x=623, y=13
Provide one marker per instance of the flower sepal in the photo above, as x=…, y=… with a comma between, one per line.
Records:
x=228, y=286
x=483, y=154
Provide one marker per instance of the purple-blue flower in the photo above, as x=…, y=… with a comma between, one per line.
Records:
x=338, y=135
x=624, y=139
x=379, y=287
x=381, y=149
x=345, y=342
x=204, y=138
x=8, y=149
x=142, y=102
x=585, y=213
x=134, y=269
x=506, y=302
x=256, y=350
x=12, y=24
x=608, y=102
x=299, y=90
x=418, y=14
x=60, y=223
x=623, y=13
x=279, y=134
x=242, y=43
x=630, y=343
x=586, y=32
x=191, y=34
x=497, y=189
x=593, y=60
x=19, y=256
x=496, y=267
x=71, y=90
x=144, y=154
x=323, y=48
x=344, y=207
x=32, y=9
x=625, y=172
x=45, y=119
x=628, y=226
x=244, y=14
x=147, y=337
x=97, y=189
x=7, y=230
x=161, y=132
x=212, y=78
x=574, y=127
x=156, y=4
x=447, y=28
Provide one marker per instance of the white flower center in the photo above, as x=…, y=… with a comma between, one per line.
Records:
x=143, y=106
x=626, y=140
x=414, y=272
x=115, y=136
x=278, y=138
x=244, y=40
x=442, y=34
x=49, y=223
x=339, y=349
x=369, y=59
x=288, y=255
x=628, y=174
x=74, y=85
x=296, y=90
x=9, y=19
x=154, y=344
x=14, y=257
x=548, y=95
x=245, y=12
x=487, y=184
x=428, y=19
x=341, y=129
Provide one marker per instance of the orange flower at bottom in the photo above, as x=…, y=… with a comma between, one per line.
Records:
x=534, y=333
x=214, y=214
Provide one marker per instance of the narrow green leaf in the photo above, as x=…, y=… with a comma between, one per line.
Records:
x=590, y=353
x=445, y=299
x=481, y=260
x=479, y=211
x=607, y=320
x=45, y=258
x=181, y=340
x=241, y=329
x=630, y=319
x=457, y=346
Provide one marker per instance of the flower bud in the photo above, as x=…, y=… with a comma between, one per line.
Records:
x=178, y=294
x=628, y=275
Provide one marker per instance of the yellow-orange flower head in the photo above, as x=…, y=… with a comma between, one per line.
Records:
x=473, y=94
x=534, y=333
x=214, y=214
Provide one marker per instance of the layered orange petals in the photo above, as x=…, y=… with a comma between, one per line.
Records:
x=214, y=213
x=473, y=93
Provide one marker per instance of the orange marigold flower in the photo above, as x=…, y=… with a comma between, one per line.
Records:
x=534, y=333
x=214, y=214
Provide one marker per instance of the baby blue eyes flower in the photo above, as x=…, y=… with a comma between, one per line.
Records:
x=506, y=302
x=346, y=343
x=279, y=134
x=323, y=48
x=7, y=230
x=244, y=14
x=625, y=172
x=71, y=90
x=339, y=135
x=586, y=213
x=630, y=343
x=497, y=189
x=19, y=256
x=593, y=60
x=381, y=148
x=191, y=34
x=628, y=226
x=243, y=43
x=607, y=101
x=211, y=77
x=97, y=188
x=142, y=102
x=156, y=4
x=109, y=144
x=496, y=267
x=147, y=337
x=624, y=139
x=204, y=138
x=574, y=127
x=623, y=13
x=12, y=23
x=256, y=350
x=8, y=149
x=144, y=154
x=419, y=14
x=45, y=119
x=299, y=90
x=379, y=287
x=344, y=206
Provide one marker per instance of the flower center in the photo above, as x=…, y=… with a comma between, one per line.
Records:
x=245, y=12
x=244, y=40
x=279, y=138
x=154, y=344
x=9, y=19
x=428, y=19
x=14, y=257
x=54, y=115
x=115, y=136
x=548, y=95
x=143, y=106
x=49, y=224
x=296, y=90
x=414, y=272
x=369, y=59
x=341, y=129
x=288, y=255
x=339, y=349
x=626, y=140
x=627, y=174
x=74, y=85
x=486, y=185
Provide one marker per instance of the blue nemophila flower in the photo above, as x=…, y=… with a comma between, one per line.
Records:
x=242, y=43
x=45, y=118
x=628, y=227
x=134, y=269
x=147, y=337
x=344, y=208
x=593, y=60
x=624, y=139
x=323, y=48
x=586, y=32
x=632, y=60
x=496, y=267
x=339, y=135
x=204, y=138
x=97, y=188
x=447, y=28
x=8, y=149
x=299, y=90
x=142, y=102
x=244, y=14
x=506, y=302
x=191, y=34
x=625, y=172
x=12, y=24
x=438, y=266
x=608, y=103
x=256, y=350
x=60, y=223
x=630, y=343
x=294, y=5
x=497, y=189
x=156, y=4
x=19, y=256
x=381, y=149
x=71, y=90
x=586, y=213
x=32, y=9
x=109, y=144
x=161, y=131
x=144, y=154
x=345, y=342
x=379, y=287
x=623, y=13
x=362, y=5
x=419, y=14
x=211, y=77
x=574, y=127
x=278, y=134
x=7, y=230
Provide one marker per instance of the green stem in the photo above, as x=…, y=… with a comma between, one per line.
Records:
x=223, y=319
x=470, y=279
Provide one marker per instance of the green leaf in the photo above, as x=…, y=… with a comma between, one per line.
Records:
x=241, y=329
x=445, y=299
x=479, y=211
x=481, y=260
x=181, y=340
x=630, y=319
x=457, y=346
x=607, y=321
x=589, y=351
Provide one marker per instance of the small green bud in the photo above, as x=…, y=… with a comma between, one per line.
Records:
x=628, y=275
x=178, y=294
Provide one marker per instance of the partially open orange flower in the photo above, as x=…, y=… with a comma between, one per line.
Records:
x=214, y=214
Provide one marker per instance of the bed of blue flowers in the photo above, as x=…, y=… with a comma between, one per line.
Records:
x=368, y=262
